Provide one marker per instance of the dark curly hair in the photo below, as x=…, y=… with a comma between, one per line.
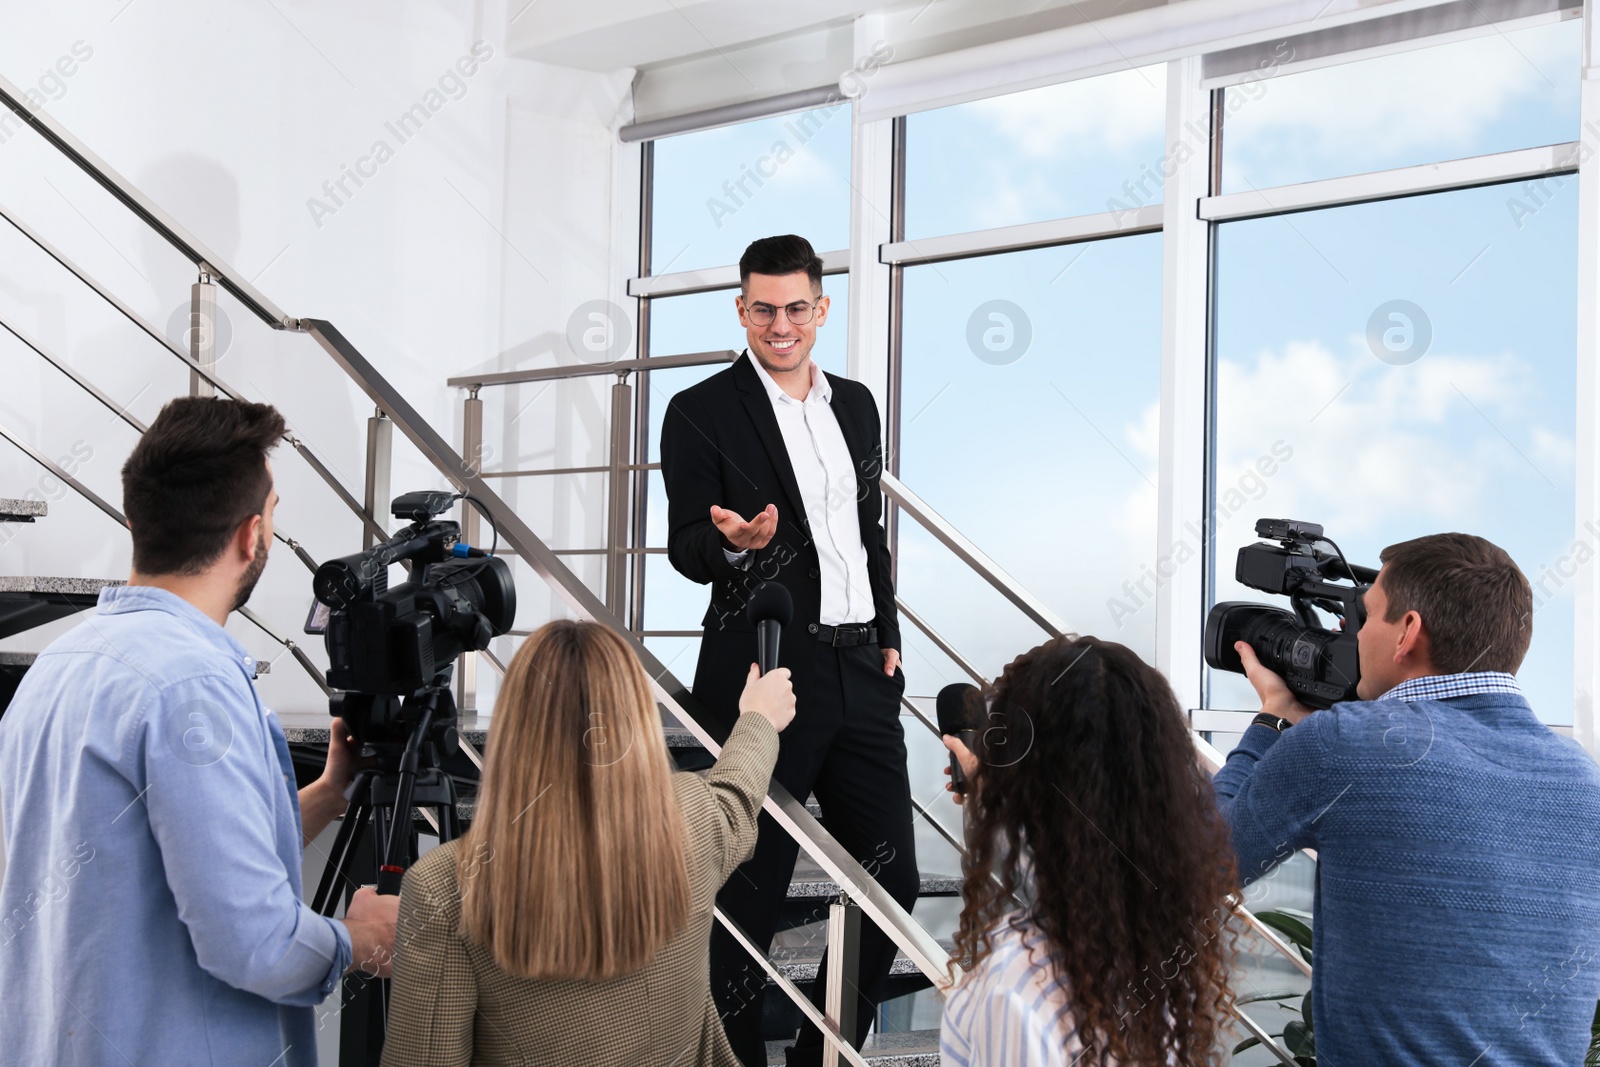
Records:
x=1090, y=778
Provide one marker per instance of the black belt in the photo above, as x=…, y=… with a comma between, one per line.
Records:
x=845, y=636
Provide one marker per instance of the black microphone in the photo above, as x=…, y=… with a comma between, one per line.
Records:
x=960, y=711
x=770, y=609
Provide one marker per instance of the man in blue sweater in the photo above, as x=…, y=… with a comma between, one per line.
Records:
x=1457, y=910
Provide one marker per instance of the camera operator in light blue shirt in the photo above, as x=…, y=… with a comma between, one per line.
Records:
x=151, y=910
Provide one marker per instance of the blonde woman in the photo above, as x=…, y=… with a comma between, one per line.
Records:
x=570, y=924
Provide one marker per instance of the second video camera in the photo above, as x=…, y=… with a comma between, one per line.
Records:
x=1320, y=665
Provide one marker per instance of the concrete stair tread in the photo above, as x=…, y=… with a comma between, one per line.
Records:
x=16, y=509
x=913, y=1048
x=799, y=963
x=811, y=881
x=39, y=584
x=31, y=600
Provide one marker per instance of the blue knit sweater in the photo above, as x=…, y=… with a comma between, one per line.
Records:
x=1457, y=913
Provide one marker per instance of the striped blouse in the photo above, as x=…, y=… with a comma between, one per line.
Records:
x=1012, y=1009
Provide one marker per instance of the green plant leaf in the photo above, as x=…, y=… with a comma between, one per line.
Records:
x=1292, y=928
x=1297, y=1039
x=1249, y=1042
x=1305, y=1010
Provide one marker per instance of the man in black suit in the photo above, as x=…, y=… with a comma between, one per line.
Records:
x=798, y=451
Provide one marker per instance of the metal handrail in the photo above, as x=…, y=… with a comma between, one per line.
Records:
x=590, y=370
x=205, y=374
x=142, y=206
x=115, y=515
x=121, y=412
x=940, y=643
x=972, y=556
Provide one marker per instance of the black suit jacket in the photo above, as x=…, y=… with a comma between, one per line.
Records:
x=720, y=444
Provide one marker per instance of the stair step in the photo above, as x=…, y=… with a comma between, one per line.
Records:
x=811, y=882
x=913, y=1048
x=27, y=601
x=799, y=963
x=15, y=509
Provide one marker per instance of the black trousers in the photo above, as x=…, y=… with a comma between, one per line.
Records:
x=847, y=746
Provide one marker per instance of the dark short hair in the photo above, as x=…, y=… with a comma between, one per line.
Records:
x=787, y=253
x=1475, y=602
x=198, y=472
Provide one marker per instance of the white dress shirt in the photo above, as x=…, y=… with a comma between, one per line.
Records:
x=827, y=478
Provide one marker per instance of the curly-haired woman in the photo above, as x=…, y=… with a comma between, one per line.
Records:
x=1093, y=925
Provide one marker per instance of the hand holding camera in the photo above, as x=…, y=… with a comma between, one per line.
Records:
x=1315, y=667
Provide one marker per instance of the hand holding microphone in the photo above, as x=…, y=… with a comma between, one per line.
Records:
x=768, y=691
x=960, y=712
x=770, y=696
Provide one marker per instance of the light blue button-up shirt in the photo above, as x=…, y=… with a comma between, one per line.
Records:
x=151, y=911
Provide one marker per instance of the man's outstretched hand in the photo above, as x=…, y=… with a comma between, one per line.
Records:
x=743, y=535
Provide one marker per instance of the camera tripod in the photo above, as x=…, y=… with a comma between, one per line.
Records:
x=407, y=776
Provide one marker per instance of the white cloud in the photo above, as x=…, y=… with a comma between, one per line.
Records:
x=1111, y=111
x=1429, y=102
x=1374, y=445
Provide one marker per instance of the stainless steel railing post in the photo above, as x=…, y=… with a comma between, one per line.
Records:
x=202, y=333
x=844, y=973
x=472, y=460
x=617, y=487
x=380, y=458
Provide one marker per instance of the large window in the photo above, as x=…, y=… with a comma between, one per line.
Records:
x=1397, y=358
x=1029, y=380
x=1388, y=368
x=716, y=191
x=1028, y=416
x=1073, y=149
x=1492, y=93
x=1401, y=368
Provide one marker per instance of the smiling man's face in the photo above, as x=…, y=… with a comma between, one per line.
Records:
x=781, y=346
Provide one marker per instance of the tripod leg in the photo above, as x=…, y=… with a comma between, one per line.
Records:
x=340, y=863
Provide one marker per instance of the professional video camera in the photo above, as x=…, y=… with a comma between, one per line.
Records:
x=1320, y=665
x=387, y=647
x=391, y=652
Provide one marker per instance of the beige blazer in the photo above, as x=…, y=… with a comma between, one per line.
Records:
x=451, y=1005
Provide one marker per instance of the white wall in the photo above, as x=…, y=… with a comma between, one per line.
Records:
x=468, y=248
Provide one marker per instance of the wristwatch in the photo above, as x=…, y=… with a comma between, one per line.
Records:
x=1277, y=722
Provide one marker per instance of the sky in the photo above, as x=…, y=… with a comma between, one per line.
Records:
x=1409, y=366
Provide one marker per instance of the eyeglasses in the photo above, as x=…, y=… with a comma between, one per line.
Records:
x=799, y=313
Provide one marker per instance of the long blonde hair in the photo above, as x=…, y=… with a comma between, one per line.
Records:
x=574, y=865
